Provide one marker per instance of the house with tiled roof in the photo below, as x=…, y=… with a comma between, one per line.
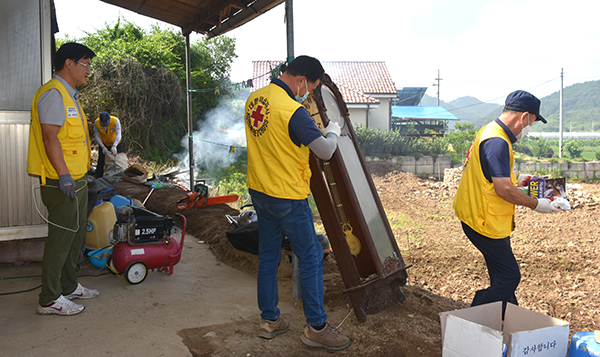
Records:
x=366, y=86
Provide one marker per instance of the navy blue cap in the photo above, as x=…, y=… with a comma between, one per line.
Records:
x=104, y=118
x=521, y=101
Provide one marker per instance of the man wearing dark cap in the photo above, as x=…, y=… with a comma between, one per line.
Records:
x=107, y=131
x=487, y=194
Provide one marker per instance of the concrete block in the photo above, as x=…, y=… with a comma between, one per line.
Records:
x=408, y=164
x=527, y=167
x=592, y=166
x=577, y=166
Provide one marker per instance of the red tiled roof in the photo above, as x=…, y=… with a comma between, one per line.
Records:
x=367, y=77
x=354, y=96
x=356, y=80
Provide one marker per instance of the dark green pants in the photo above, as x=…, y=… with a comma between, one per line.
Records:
x=62, y=249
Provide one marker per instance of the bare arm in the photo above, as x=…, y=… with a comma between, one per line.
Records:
x=505, y=189
x=54, y=148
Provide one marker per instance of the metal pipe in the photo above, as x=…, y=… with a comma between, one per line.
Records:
x=188, y=77
x=289, y=26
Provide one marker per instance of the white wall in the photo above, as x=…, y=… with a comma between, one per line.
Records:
x=380, y=117
x=358, y=115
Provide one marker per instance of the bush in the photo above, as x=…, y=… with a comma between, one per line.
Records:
x=573, y=148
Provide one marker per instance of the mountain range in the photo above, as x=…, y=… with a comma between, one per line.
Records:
x=581, y=109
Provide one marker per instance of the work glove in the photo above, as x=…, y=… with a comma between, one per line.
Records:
x=523, y=180
x=332, y=127
x=105, y=150
x=114, y=150
x=544, y=206
x=66, y=185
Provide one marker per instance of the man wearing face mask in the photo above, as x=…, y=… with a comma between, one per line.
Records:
x=487, y=194
x=280, y=135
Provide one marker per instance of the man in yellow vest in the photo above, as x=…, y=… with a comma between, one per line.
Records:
x=280, y=134
x=107, y=131
x=59, y=154
x=487, y=194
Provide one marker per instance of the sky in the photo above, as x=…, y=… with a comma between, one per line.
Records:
x=482, y=48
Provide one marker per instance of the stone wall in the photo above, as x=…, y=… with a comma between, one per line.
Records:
x=435, y=166
x=423, y=166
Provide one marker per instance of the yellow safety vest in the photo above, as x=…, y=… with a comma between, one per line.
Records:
x=108, y=135
x=73, y=136
x=276, y=166
x=476, y=202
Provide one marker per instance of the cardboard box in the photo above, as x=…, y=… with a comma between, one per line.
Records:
x=479, y=331
x=547, y=187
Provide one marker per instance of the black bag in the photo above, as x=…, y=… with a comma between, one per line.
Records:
x=244, y=238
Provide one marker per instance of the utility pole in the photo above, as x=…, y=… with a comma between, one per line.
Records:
x=560, y=125
x=289, y=26
x=438, y=79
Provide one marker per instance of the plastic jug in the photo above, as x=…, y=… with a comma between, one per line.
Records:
x=118, y=201
x=99, y=225
x=583, y=344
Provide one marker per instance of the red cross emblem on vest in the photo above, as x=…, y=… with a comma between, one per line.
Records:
x=257, y=116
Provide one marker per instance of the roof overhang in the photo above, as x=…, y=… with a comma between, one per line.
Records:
x=208, y=17
x=362, y=105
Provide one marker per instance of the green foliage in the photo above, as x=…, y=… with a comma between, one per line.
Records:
x=597, y=155
x=533, y=146
x=461, y=140
x=393, y=143
x=235, y=183
x=573, y=148
x=140, y=77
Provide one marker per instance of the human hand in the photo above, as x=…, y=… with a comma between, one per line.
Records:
x=105, y=150
x=544, y=206
x=332, y=127
x=114, y=150
x=66, y=185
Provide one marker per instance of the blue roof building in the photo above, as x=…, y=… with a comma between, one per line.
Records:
x=435, y=118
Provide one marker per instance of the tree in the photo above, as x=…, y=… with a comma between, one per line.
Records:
x=139, y=76
x=461, y=140
x=573, y=148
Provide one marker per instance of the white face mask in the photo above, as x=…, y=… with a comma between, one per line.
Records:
x=524, y=130
x=301, y=99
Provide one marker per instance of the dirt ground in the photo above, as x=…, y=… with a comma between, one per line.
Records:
x=557, y=254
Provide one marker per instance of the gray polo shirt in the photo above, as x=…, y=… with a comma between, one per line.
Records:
x=51, y=108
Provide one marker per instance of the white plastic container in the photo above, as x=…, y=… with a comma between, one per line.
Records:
x=99, y=225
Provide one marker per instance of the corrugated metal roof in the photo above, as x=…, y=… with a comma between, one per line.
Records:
x=359, y=82
x=434, y=112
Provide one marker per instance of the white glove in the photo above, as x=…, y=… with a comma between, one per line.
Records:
x=544, y=206
x=114, y=150
x=332, y=127
x=105, y=150
x=523, y=180
x=561, y=203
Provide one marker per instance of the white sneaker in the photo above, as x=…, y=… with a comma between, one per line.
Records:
x=61, y=306
x=82, y=293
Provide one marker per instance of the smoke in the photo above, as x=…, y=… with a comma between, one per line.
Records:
x=221, y=132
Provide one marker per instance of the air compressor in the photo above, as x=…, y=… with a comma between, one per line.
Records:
x=143, y=241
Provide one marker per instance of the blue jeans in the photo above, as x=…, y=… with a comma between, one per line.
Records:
x=292, y=219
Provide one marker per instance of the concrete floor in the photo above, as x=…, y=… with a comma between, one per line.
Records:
x=128, y=320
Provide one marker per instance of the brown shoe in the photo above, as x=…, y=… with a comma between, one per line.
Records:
x=329, y=337
x=270, y=329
